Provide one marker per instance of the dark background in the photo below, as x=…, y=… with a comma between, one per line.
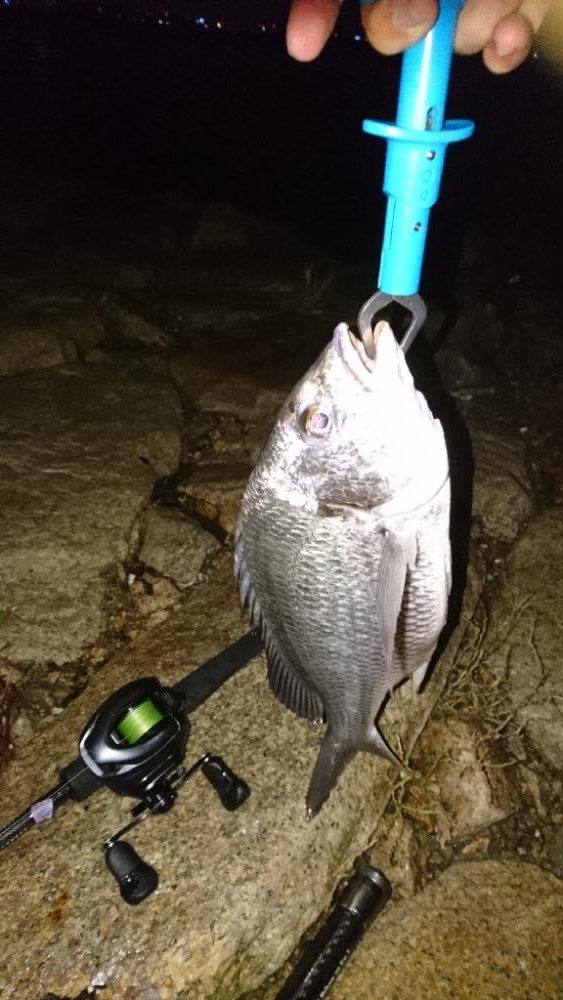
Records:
x=227, y=115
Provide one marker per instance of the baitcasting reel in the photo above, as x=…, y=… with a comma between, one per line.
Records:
x=135, y=744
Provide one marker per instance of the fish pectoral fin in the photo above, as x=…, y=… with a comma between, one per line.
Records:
x=397, y=555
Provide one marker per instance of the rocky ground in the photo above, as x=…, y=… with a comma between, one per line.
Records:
x=144, y=349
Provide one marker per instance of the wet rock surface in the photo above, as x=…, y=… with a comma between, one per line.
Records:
x=156, y=400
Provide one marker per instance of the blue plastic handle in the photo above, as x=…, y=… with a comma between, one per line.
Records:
x=416, y=150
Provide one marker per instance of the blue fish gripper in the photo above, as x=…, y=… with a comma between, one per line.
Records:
x=416, y=150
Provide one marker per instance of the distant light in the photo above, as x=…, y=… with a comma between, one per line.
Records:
x=357, y=38
x=7, y=3
x=202, y=21
x=219, y=25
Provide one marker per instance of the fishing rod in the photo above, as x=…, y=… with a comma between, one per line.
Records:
x=134, y=744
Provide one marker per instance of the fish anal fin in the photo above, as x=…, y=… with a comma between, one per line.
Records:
x=288, y=686
x=397, y=555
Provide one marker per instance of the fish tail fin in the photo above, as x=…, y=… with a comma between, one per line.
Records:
x=333, y=757
x=376, y=744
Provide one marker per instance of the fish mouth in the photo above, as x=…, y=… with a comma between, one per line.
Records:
x=353, y=349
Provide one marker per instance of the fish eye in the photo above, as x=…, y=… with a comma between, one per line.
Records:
x=315, y=421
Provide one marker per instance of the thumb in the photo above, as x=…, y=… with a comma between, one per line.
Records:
x=394, y=25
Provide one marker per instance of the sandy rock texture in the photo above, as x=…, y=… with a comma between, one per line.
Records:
x=526, y=633
x=80, y=450
x=502, y=491
x=174, y=545
x=237, y=890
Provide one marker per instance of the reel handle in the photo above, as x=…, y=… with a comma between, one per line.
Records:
x=135, y=878
x=231, y=789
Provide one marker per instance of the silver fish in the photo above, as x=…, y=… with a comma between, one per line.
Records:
x=342, y=550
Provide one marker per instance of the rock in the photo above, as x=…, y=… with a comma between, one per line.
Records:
x=533, y=787
x=80, y=449
x=485, y=929
x=475, y=847
x=56, y=340
x=242, y=398
x=238, y=443
x=222, y=227
x=102, y=274
x=175, y=545
x=502, y=492
x=216, y=492
x=153, y=594
x=395, y=853
x=466, y=792
x=221, y=318
x=131, y=326
x=554, y=848
x=237, y=890
x=464, y=377
x=525, y=635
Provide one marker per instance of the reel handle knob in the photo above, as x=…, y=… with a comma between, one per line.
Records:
x=135, y=878
x=231, y=789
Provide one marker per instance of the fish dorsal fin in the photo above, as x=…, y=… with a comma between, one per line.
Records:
x=284, y=681
x=397, y=555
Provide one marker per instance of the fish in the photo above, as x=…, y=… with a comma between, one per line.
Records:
x=342, y=552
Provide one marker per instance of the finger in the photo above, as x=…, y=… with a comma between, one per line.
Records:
x=510, y=45
x=479, y=22
x=513, y=37
x=536, y=11
x=309, y=26
x=394, y=25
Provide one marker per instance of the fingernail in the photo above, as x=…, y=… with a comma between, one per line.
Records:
x=410, y=14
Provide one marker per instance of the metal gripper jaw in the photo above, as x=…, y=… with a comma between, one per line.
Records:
x=412, y=303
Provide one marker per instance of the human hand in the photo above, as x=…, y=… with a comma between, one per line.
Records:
x=503, y=30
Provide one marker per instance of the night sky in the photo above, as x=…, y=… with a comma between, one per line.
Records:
x=135, y=93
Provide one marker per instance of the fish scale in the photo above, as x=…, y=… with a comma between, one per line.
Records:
x=347, y=577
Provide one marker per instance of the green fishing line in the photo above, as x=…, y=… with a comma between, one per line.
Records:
x=138, y=721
